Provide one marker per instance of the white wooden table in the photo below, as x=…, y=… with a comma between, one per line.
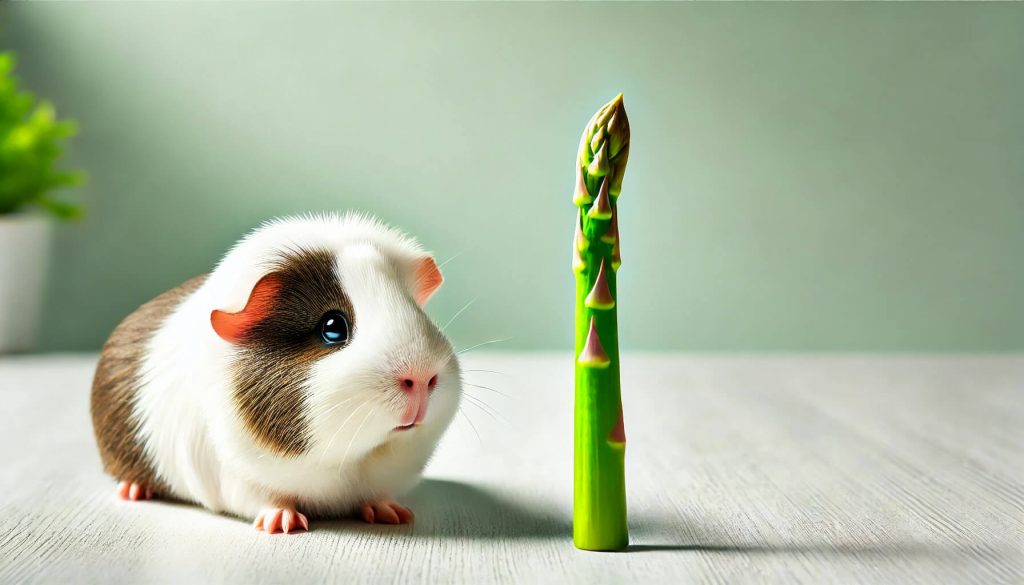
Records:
x=783, y=469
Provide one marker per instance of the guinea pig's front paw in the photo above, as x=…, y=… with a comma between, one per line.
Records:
x=386, y=512
x=129, y=490
x=281, y=520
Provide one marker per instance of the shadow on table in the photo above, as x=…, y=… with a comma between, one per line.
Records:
x=451, y=509
x=893, y=550
x=648, y=538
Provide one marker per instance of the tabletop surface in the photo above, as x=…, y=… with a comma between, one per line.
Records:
x=779, y=469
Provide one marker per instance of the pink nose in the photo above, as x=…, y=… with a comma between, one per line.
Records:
x=414, y=383
x=418, y=388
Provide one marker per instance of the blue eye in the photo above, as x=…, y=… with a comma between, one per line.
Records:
x=334, y=328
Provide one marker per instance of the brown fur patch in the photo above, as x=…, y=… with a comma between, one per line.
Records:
x=276, y=354
x=115, y=386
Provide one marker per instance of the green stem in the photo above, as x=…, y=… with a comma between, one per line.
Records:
x=599, y=512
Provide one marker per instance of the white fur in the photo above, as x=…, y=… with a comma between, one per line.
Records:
x=193, y=433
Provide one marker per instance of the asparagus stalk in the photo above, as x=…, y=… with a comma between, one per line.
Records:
x=599, y=511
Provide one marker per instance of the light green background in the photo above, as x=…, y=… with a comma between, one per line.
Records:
x=802, y=176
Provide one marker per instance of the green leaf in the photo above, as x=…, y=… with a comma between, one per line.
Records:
x=62, y=209
x=32, y=139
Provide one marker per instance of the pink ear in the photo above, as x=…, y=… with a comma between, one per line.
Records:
x=232, y=327
x=428, y=280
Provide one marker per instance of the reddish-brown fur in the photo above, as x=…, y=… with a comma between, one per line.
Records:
x=116, y=382
x=277, y=344
x=277, y=352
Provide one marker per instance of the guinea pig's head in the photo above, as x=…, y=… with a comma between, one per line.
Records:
x=332, y=355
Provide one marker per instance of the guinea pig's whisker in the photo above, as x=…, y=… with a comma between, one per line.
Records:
x=335, y=435
x=465, y=383
x=441, y=265
x=356, y=434
x=490, y=410
x=472, y=426
x=488, y=371
x=489, y=415
x=462, y=351
x=472, y=396
x=327, y=412
x=480, y=401
x=457, y=313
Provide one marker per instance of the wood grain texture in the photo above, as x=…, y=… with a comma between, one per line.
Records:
x=783, y=469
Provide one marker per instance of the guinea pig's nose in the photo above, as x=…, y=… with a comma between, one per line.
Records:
x=414, y=382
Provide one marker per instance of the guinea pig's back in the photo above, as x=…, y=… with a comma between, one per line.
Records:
x=115, y=387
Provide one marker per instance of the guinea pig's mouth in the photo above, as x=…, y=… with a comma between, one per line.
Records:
x=407, y=427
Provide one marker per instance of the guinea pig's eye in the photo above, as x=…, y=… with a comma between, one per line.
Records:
x=334, y=328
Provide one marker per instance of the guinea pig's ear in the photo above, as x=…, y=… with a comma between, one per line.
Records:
x=426, y=279
x=232, y=327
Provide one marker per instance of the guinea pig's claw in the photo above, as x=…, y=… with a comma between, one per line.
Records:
x=386, y=512
x=128, y=490
x=281, y=520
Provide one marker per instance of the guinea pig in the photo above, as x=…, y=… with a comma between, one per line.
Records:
x=301, y=378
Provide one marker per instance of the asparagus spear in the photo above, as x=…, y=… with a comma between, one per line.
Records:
x=599, y=512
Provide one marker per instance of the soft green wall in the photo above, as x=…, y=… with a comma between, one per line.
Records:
x=802, y=176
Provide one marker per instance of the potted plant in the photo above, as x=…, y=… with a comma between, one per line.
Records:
x=31, y=139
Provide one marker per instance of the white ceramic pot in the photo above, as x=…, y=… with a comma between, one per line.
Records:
x=24, y=260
